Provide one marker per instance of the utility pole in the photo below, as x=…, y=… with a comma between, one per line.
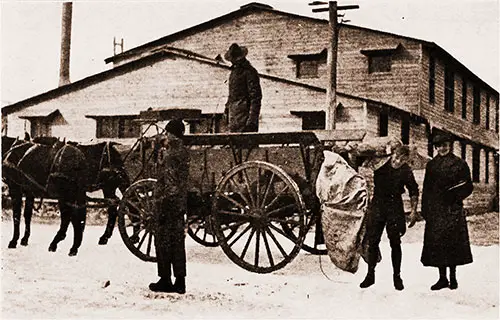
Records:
x=331, y=88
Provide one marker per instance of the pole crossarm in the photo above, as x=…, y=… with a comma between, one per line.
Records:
x=349, y=7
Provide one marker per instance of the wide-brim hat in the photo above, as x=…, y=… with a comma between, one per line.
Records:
x=175, y=127
x=441, y=137
x=235, y=51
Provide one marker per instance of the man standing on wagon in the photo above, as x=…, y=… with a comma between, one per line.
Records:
x=243, y=103
x=171, y=196
x=386, y=211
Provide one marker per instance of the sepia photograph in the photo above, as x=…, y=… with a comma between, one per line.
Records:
x=231, y=159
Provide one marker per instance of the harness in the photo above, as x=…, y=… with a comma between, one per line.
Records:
x=103, y=166
x=56, y=163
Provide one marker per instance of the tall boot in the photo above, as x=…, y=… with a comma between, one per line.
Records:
x=453, y=278
x=163, y=285
x=443, y=280
x=396, y=256
x=369, y=279
x=398, y=282
x=180, y=285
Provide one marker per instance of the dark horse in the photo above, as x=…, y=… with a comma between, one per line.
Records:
x=64, y=171
x=16, y=195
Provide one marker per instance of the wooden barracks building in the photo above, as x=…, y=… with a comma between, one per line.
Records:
x=387, y=84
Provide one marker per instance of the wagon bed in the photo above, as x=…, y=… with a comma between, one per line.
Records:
x=251, y=193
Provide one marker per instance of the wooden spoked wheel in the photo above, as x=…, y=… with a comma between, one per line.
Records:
x=253, y=205
x=314, y=241
x=200, y=230
x=136, y=219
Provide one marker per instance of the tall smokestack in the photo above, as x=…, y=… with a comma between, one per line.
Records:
x=67, y=12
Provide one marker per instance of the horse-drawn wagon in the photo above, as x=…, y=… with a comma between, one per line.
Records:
x=251, y=193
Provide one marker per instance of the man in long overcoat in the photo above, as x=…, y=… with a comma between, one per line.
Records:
x=386, y=211
x=245, y=94
x=447, y=183
x=171, y=196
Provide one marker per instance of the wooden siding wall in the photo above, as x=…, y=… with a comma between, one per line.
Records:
x=399, y=87
x=202, y=86
x=477, y=134
x=270, y=38
x=453, y=122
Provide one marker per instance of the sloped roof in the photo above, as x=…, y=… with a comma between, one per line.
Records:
x=147, y=61
x=260, y=7
x=131, y=66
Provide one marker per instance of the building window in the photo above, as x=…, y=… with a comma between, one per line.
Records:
x=41, y=125
x=496, y=117
x=379, y=64
x=449, y=90
x=314, y=121
x=5, y=127
x=464, y=150
x=405, y=130
x=476, y=105
x=487, y=112
x=464, y=99
x=380, y=59
x=307, y=69
x=207, y=123
x=311, y=120
x=432, y=78
x=383, y=124
x=487, y=167
x=40, y=128
x=430, y=146
x=476, y=163
x=117, y=127
x=308, y=64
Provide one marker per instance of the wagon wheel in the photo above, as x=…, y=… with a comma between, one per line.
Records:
x=200, y=230
x=200, y=224
x=314, y=241
x=262, y=198
x=136, y=219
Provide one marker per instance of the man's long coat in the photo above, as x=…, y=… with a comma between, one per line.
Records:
x=244, y=99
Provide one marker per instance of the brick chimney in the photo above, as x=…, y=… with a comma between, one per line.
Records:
x=67, y=11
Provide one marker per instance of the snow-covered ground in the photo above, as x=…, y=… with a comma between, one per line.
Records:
x=40, y=284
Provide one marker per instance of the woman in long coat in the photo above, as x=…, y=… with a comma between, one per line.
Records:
x=447, y=183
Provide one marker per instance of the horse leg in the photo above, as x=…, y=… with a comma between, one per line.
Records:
x=65, y=220
x=17, y=203
x=112, y=214
x=78, y=221
x=28, y=212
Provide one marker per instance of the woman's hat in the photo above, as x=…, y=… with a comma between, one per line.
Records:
x=441, y=137
x=235, y=51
